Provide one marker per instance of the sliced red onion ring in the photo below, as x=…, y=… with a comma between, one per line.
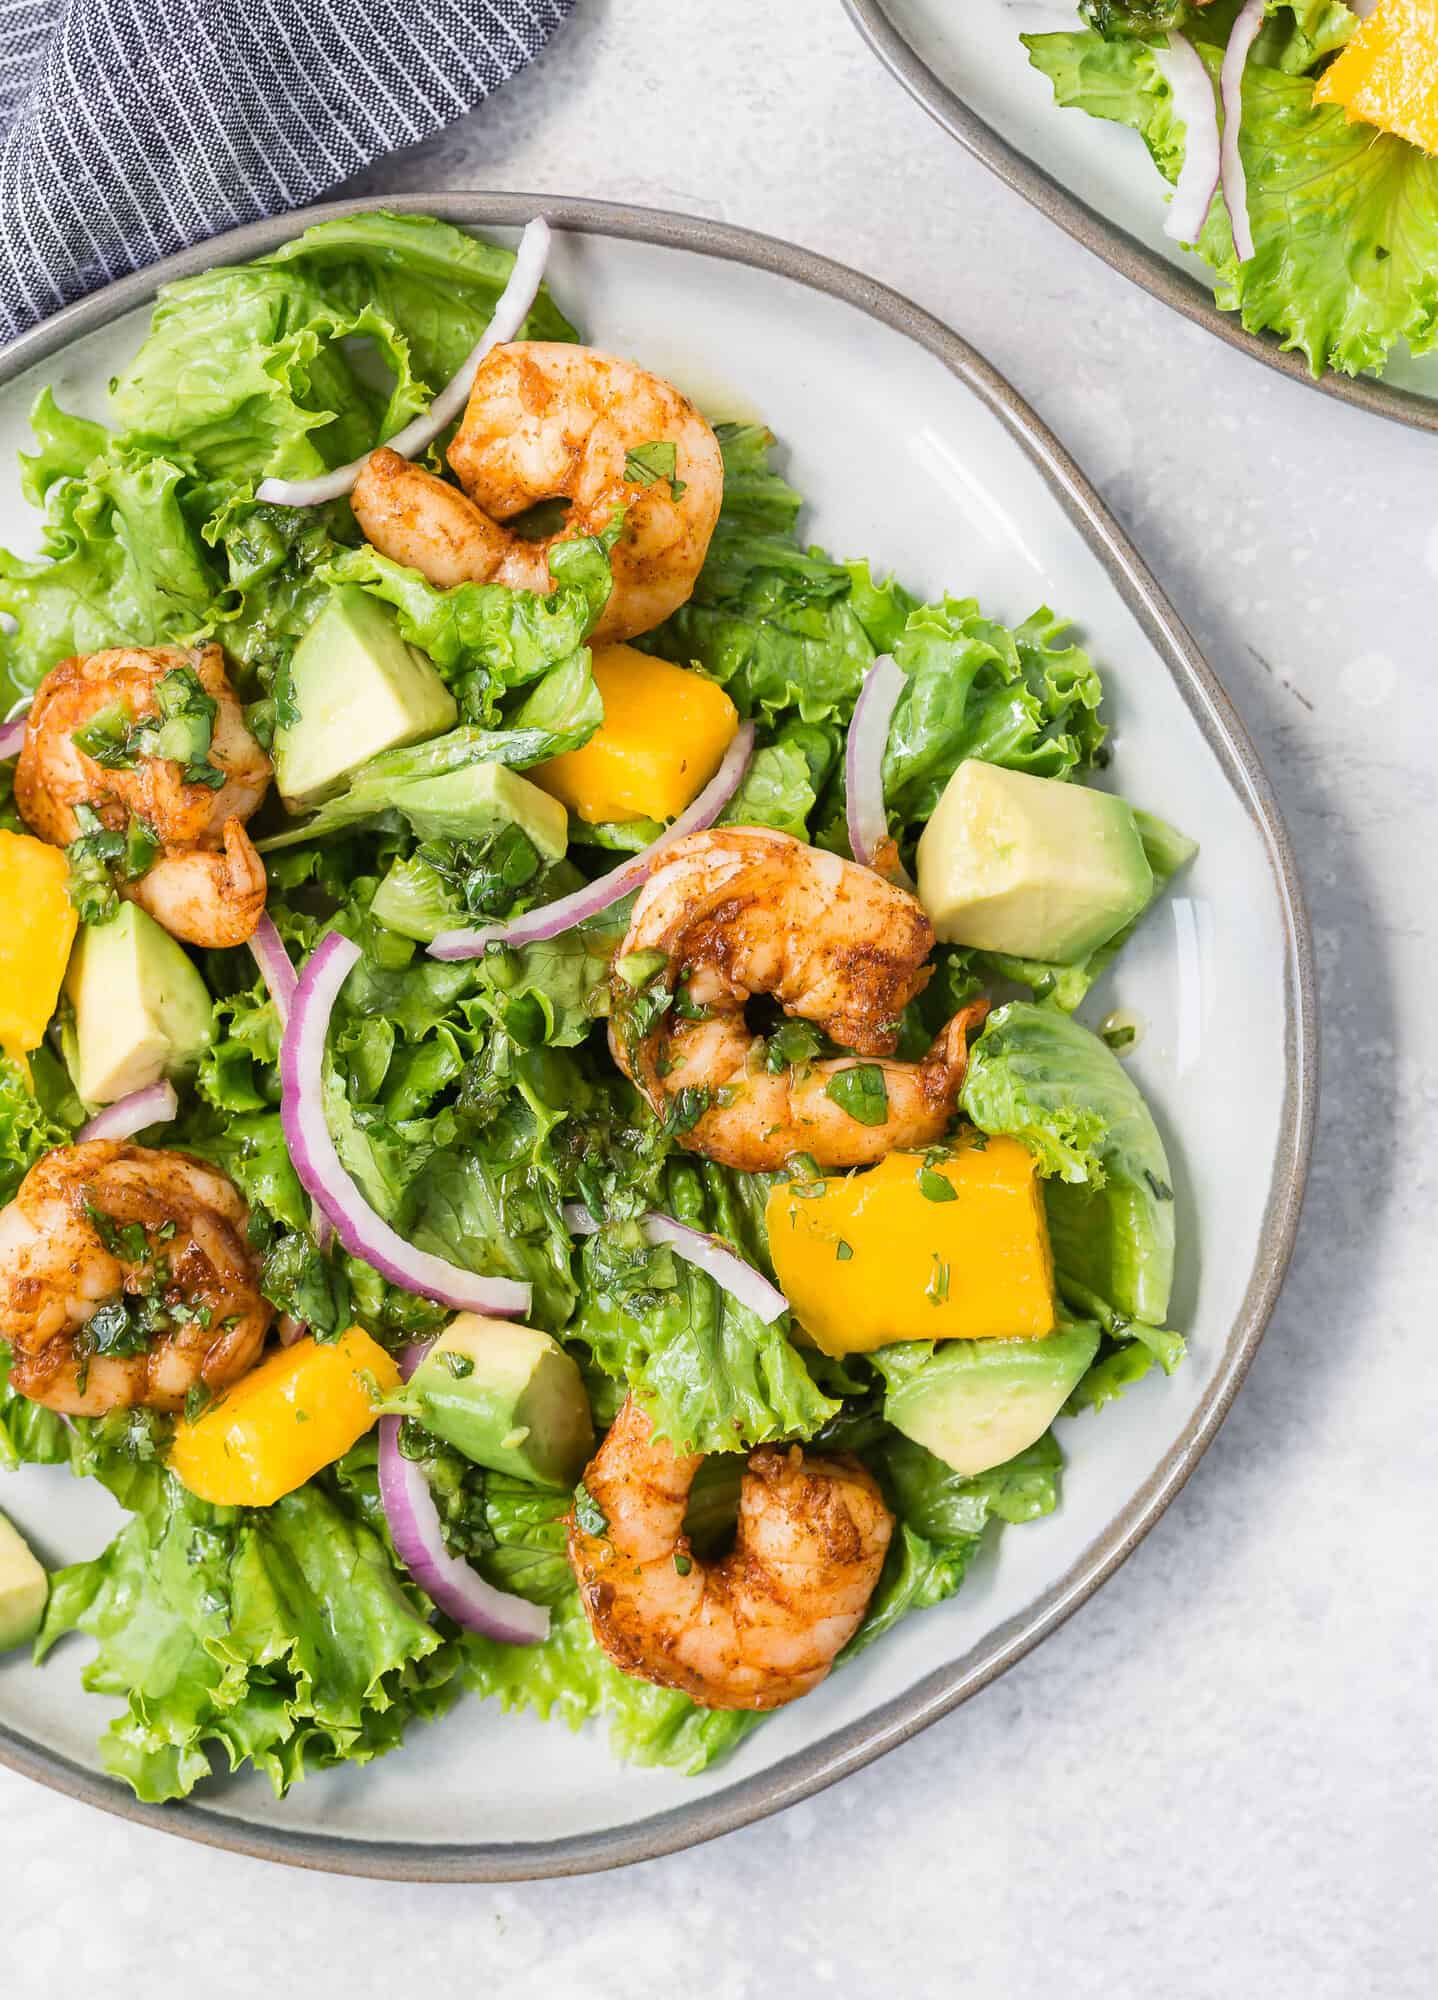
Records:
x=459, y=1591
x=273, y=960
x=706, y=1253
x=1230, y=87
x=510, y=312
x=581, y=904
x=156, y=1104
x=1194, y=103
x=318, y=1164
x=12, y=737
x=281, y=979
x=868, y=820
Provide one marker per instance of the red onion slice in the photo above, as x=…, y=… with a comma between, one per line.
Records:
x=458, y=1590
x=278, y=973
x=510, y=312
x=1194, y=102
x=12, y=737
x=156, y=1104
x=1230, y=87
x=868, y=819
x=706, y=1253
x=318, y=1164
x=594, y=897
x=281, y=979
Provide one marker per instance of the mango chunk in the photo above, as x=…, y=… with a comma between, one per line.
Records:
x=1387, y=73
x=664, y=734
x=37, y=929
x=921, y=1247
x=297, y=1412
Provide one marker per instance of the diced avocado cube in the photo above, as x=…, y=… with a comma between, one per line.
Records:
x=509, y=1398
x=480, y=798
x=978, y=1403
x=1033, y=867
x=358, y=689
x=24, y=1588
x=141, y=1008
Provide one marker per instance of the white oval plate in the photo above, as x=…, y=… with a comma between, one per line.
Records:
x=915, y=453
x=964, y=62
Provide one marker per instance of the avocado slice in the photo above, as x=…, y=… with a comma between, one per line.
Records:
x=1031, y=867
x=509, y=1398
x=141, y=1008
x=358, y=689
x=978, y=1403
x=478, y=799
x=24, y=1589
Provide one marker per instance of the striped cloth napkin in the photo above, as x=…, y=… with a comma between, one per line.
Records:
x=132, y=128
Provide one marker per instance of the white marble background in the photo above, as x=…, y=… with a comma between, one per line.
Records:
x=1219, y=1778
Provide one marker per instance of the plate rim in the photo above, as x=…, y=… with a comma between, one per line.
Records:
x=834, y=1756
x=1119, y=249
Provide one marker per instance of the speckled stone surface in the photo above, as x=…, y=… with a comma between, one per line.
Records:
x=1219, y=1778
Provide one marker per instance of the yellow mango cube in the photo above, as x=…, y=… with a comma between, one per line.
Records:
x=297, y=1412
x=37, y=929
x=1386, y=74
x=664, y=734
x=867, y=1258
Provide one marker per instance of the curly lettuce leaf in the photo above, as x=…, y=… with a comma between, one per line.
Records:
x=122, y=559
x=37, y=1111
x=252, y=370
x=1344, y=218
x=282, y=1637
x=977, y=689
x=713, y=1375
x=484, y=638
x=771, y=621
x=438, y=283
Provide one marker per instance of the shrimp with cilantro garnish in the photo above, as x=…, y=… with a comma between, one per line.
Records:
x=126, y=1277
x=549, y=421
x=743, y=910
x=151, y=743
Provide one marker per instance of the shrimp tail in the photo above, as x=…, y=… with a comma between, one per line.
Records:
x=213, y=897
x=943, y=1069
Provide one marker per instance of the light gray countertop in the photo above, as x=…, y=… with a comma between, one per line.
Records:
x=1220, y=1777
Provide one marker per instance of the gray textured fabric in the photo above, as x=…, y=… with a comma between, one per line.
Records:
x=135, y=127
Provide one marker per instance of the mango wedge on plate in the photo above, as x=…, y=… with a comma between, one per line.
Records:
x=1387, y=74
x=35, y=943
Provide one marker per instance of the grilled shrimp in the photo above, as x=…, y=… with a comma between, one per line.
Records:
x=548, y=421
x=762, y=1625
x=207, y=885
x=743, y=910
x=126, y=1277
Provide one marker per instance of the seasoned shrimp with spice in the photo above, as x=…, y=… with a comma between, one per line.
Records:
x=740, y=911
x=547, y=421
x=126, y=1277
x=763, y=1624
x=152, y=743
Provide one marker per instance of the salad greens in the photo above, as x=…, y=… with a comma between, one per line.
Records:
x=470, y=1101
x=1344, y=217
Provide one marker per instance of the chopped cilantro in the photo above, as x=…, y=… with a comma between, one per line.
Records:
x=934, y=1187
x=588, y=1514
x=659, y=459
x=861, y=1091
